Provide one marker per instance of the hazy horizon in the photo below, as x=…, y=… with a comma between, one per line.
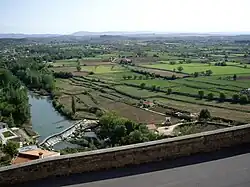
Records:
x=169, y=16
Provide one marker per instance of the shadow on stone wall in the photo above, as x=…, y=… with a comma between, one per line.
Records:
x=134, y=170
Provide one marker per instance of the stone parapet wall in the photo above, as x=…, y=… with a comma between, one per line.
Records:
x=126, y=155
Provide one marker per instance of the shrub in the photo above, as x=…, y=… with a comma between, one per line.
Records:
x=210, y=96
x=169, y=91
x=196, y=74
x=222, y=97
x=173, y=77
x=243, y=99
x=204, y=114
x=201, y=94
x=235, y=98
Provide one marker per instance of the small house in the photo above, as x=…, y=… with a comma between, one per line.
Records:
x=33, y=154
x=148, y=104
x=125, y=61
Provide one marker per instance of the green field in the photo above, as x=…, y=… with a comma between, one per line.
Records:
x=71, y=62
x=103, y=68
x=137, y=91
x=153, y=80
x=198, y=67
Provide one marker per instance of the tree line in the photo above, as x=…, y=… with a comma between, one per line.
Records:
x=14, y=106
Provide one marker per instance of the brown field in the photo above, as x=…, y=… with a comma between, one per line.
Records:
x=144, y=60
x=80, y=73
x=67, y=86
x=95, y=63
x=122, y=109
x=70, y=69
x=86, y=99
x=63, y=69
x=243, y=78
x=66, y=101
x=130, y=112
x=163, y=73
x=216, y=112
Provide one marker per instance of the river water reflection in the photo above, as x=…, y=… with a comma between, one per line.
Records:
x=45, y=119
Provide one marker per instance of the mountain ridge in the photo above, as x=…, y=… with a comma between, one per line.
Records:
x=121, y=33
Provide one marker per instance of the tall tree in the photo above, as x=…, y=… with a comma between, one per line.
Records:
x=201, y=94
x=11, y=148
x=222, y=97
x=73, y=105
x=204, y=114
x=235, y=77
x=180, y=68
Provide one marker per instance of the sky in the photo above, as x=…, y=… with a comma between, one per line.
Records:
x=69, y=16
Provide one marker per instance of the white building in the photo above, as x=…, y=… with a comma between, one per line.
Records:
x=7, y=134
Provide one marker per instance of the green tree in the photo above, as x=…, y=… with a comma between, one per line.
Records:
x=173, y=77
x=11, y=122
x=204, y=114
x=243, y=99
x=226, y=58
x=201, y=94
x=153, y=76
x=208, y=72
x=135, y=77
x=169, y=91
x=135, y=137
x=222, y=97
x=11, y=148
x=73, y=105
x=235, y=98
x=235, y=77
x=153, y=88
x=78, y=68
x=119, y=133
x=210, y=96
x=180, y=68
x=124, y=77
x=142, y=85
x=196, y=74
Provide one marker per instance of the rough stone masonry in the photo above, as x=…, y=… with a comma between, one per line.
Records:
x=125, y=155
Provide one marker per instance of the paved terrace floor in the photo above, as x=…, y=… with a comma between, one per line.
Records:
x=226, y=168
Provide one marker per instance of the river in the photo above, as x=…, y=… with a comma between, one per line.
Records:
x=45, y=119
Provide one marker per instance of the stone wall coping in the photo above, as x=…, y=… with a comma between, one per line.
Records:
x=126, y=147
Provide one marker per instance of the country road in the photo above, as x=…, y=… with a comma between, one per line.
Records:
x=226, y=168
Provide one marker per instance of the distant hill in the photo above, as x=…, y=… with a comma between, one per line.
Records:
x=82, y=34
x=14, y=35
x=113, y=33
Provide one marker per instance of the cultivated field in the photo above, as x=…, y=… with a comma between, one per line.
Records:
x=153, y=76
x=198, y=67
